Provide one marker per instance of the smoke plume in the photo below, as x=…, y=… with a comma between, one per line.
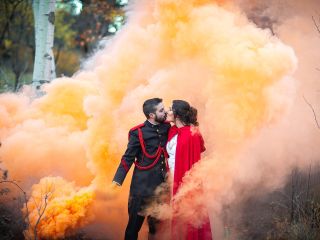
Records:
x=243, y=78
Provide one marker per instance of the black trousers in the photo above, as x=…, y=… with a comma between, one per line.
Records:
x=135, y=206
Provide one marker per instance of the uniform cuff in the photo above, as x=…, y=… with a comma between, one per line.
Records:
x=116, y=183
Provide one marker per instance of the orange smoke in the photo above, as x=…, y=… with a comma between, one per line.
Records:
x=204, y=52
x=56, y=207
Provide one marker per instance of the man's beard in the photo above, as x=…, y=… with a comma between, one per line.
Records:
x=160, y=119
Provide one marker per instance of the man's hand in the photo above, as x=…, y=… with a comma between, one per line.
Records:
x=113, y=189
x=115, y=185
x=110, y=192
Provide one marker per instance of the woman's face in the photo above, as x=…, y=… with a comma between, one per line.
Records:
x=170, y=116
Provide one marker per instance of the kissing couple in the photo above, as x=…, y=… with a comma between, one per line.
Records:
x=168, y=143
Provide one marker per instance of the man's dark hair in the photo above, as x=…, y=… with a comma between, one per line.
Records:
x=149, y=106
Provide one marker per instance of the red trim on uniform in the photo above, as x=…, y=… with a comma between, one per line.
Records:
x=166, y=155
x=150, y=165
x=144, y=147
x=167, y=165
x=156, y=156
x=124, y=164
x=135, y=128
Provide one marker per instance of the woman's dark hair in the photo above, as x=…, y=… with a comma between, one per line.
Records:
x=185, y=112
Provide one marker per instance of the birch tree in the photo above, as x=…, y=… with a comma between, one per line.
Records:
x=44, y=66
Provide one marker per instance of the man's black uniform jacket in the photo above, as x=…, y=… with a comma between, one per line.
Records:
x=144, y=181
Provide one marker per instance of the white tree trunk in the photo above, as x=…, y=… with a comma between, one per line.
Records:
x=44, y=67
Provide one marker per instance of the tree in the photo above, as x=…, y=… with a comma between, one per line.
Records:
x=98, y=19
x=44, y=67
x=77, y=34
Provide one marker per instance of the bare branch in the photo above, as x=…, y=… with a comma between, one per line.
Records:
x=41, y=214
x=314, y=113
x=35, y=203
x=315, y=23
x=42, y=205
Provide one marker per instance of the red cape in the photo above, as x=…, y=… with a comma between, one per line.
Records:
x=190, y=145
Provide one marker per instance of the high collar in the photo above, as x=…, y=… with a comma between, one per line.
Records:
x=149, y=124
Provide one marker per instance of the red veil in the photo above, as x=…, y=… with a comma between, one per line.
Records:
x=190, y=145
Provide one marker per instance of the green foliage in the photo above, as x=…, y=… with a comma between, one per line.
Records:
x=64, y=35
x=64, y=44
x=16, y=42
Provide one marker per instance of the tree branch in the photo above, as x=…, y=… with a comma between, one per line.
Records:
x=314, y=113
x=25, y=198
x=41, y=214
x=315, y=23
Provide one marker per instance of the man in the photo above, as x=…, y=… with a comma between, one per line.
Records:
x=146, y=149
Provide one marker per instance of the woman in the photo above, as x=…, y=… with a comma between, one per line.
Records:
x=184, y=147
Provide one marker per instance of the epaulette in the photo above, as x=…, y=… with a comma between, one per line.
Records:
x=136, y=127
